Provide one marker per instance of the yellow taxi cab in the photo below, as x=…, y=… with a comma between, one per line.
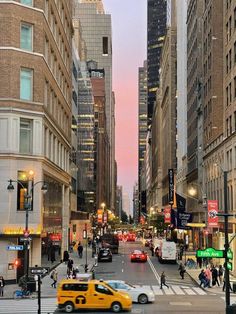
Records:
x=73, y=294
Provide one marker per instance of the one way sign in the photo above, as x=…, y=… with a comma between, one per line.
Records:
x=39, y=270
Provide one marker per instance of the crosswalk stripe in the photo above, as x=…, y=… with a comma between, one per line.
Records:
x=177, y=290
x=190, y=292
x=199, y=291
x=157, y=290
x=169, y=291
x=147, y=287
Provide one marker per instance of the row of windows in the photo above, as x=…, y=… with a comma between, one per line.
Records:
x=56, y=30
x=231, y=124
x=229, y=27
x=56, y=151
x=56, y=108
x=56, y=69
x=53, y=149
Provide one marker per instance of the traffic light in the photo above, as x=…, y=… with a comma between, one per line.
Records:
x=17, y=263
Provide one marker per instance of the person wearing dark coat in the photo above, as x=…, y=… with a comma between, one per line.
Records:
x=65, y=256
x=2, y=285
x=80, y=250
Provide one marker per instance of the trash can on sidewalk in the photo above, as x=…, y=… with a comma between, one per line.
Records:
x=231, y=309
x=31, y=286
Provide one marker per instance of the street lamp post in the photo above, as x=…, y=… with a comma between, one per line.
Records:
x=226, y=229
x=27, y=206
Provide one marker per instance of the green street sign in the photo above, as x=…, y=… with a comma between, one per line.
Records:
x=229, y=266
x=230, y=254
x=210, y=252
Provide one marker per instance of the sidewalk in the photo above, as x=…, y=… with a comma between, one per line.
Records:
x=46, y=289
x=193, y=273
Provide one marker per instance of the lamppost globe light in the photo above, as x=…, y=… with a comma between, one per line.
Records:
x=31, y=173
x=192, y=191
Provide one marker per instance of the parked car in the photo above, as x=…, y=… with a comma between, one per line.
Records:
x=138, y=256
x=138, y=294
x=104, y=255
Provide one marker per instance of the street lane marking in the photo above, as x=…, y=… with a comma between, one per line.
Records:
x=177, y=290
x=199, y=291
x=153, y=269
x=180, y=303
x=189, y=291
x=157, y=290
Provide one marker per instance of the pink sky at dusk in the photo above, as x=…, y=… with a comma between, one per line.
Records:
x=129, y=28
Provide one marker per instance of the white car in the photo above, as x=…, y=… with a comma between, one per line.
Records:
x=138, y=294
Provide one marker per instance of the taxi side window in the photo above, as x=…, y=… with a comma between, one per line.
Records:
x=103, y=289
x=75, y=287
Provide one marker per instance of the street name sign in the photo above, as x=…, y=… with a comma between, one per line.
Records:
x=39, y=270
x=210, y=252
x=15, y=247
x=230, y=254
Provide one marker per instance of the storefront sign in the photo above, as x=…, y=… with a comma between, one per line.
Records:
x=210, y=252
x=183, y=219
x=18, y=230
x=167, y=215
x=55, y=237
x=212, y=206
x=100, y=216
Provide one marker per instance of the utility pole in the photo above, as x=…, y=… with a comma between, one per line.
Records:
x=227, y=282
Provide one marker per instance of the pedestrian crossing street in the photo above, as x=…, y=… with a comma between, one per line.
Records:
x=175, y=290
x=28, y=306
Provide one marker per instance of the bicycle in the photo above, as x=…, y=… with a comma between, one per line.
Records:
x=21, y=294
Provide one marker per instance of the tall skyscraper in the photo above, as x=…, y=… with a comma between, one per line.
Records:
x=194, y=96
x=96, y=32
x=35, y=118
x=142, y=119
x=156, y=30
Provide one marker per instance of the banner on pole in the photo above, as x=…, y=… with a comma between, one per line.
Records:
x=167, y=215
x=212, y=206
x=100, y=216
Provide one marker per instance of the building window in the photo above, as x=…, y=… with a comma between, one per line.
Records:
x=25, y=136
x=105, y=46
x=26, y=84
x=27, y=2
x=26, y=37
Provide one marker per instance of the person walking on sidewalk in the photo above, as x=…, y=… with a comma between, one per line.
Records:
x=70, y=264
x=182, y=270
x=80, y=250
x=163, y=280
x=215, y=275
x=221, y=273
x=2, y=285
x=209, y=276
x=53, y=276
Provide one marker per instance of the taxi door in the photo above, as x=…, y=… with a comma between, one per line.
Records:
x=101, y=296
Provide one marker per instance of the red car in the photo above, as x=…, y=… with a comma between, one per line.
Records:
x=138, y=256
x=131, y=237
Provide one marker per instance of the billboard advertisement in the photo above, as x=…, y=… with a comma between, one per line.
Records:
x=212, y=207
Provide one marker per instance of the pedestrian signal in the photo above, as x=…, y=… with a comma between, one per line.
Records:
x=17, y=263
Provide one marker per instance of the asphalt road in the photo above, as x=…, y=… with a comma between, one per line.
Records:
x=182, y=297
x=147, y=274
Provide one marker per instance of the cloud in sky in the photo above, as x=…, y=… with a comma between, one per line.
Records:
x=129, y=28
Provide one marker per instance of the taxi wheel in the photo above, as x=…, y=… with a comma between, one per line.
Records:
x=116, y=307
x=142, y=299
x=69, y=307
